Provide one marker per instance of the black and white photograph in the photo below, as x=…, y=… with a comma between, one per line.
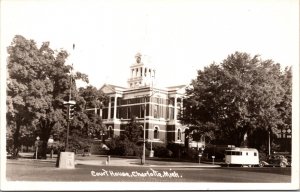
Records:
x=117, y=95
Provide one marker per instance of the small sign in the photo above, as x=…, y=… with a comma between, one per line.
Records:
x=213, y=157
x=69, y=102
x=36, y=143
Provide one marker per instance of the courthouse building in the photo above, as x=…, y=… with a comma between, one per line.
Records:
x=162, y=105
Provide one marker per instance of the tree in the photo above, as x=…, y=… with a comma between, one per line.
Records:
x=94, y=100
x=133, y=131
x=87, y=124
x=231, y=100
x=38, y=83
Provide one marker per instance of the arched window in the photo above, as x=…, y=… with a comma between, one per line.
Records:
x=178, y=134
x=156, y=133
x=110, y=132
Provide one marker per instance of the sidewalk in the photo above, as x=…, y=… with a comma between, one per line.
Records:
x=102, y=160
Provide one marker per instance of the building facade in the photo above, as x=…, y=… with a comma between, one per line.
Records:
x=155, y=108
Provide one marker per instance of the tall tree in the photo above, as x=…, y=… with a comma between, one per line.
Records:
x=233, y=99
x=87, y=123
x=133, y=131
x=38, y=83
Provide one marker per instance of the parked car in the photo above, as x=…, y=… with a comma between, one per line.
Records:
x=275, y=161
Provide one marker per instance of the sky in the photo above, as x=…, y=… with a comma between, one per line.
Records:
x=180, y=37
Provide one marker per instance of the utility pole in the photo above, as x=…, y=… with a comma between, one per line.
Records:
x=70, y=107
x=66, y=159
x=144, y=137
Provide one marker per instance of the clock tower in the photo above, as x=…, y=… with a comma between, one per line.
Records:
x=141, y=75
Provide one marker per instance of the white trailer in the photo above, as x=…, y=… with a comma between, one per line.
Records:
x=242, y=156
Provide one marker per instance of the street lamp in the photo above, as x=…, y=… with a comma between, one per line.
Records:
x=37, y=146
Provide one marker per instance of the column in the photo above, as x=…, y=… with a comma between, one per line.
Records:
x=181, y=105
x=115, y=108
x=109, y=108
x=169, y=111
x=175, y=108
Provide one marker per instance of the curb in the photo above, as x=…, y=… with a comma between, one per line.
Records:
x=124, y=163
x=133, y=164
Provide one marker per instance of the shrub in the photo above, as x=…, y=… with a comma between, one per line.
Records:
x=123, y=147
x=176, y=149
x=161, y=151
x=191, y=154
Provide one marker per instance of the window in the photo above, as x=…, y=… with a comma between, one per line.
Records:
x=128, y=112
x=246, y=153
x=110, y=132
x=104, y=113
x=255, y=154
x=233, y=153
x=142, y=109
x=178, y=134
x=156, y=133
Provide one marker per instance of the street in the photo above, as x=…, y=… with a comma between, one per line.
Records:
x=35, y=170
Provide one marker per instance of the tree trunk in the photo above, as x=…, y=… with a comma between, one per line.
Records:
x=46, y=128
x=16, y=140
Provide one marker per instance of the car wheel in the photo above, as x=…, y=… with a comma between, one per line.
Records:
x=261, y=165
x=282, y=164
